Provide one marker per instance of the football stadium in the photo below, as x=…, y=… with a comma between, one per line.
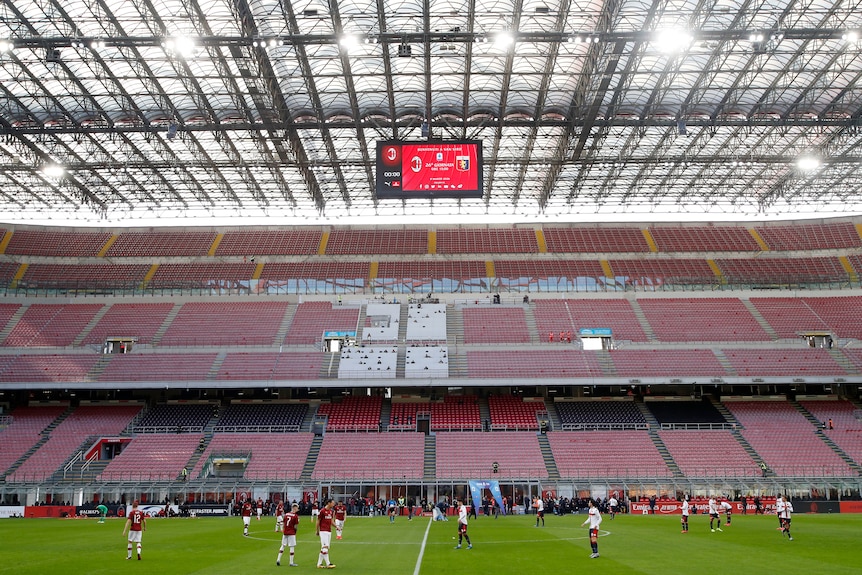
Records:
x=399, y=255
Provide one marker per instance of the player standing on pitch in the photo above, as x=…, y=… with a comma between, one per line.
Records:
x=279, y=516
x=462, y=525
x=246, y=516
x=324, y=531
x=290, y=521
x=594, y=519
x=136, y=524
x=686, y=509
x=340, y=513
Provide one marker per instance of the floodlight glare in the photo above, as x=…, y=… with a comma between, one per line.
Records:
x=807, y=163
x=53, y=170
x=504, y=40
x=672, y=41
x=348, y=41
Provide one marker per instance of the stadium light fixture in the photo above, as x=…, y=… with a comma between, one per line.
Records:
x=808, y=163
x=504, y=40
x=53, y=170
x=670, y=41
x=180, y=46
x=348, y=41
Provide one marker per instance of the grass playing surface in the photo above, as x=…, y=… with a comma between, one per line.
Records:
x=822, y=545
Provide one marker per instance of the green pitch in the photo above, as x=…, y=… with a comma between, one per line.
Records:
x=823, y=544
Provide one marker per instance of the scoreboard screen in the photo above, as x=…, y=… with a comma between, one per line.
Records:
x=431, y=169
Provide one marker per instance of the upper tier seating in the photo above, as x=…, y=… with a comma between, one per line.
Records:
x=709, y=453
x=600, y=414
x=56, y=243
x=368, y=361
x=373, y=242
x=273, y=456
x=271, y=366
x=486, y=241
x=847, y=426
x=51, y=325
x=568, y=362
x=544, y=274
x=461, y=455
x=25, y=430
x=96, y=277
x=649, y=273
x=606, y=454
x=7, y=272
x=509, y=412
x=269, y=242
x=72, y=368
x=786, y=440
x=455, y=413
x=595, y=240
x=397, y=456
x=257, y=416
x=803, y=362
x=152, y=457
x=702, y=319
x=138, y=320
x=216, y=276
x=313, y=277
x=226, y=323
x=312, y=319
x=166, y=417
x=495, y=324
x=150, y=244
x=685, y=412
x=839, y=235
x=158, y=367
x=666, y=363
x=67, y=438
x=780, y=270
x=452, y=275
x=426, y=322
x=352, y=413
x=426, y=361
x=700, y=238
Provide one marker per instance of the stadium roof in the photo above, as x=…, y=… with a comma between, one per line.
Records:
x=123, y=111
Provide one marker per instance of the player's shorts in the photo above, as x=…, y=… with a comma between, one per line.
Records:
x=246, y=520
x=462, y=528
x=315, y=512
x=288, y=540
x=325, y=538
x=540, y=513
x=594, y=532
x=613, y=508
x=135, y=536
x=259, y=511
x=279, y=523
x=339, y=523
x=713, y=515
x=786, y=520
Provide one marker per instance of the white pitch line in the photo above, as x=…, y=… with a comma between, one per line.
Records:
x=422, y=548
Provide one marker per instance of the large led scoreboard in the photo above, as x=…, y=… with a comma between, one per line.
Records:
x=429, y=169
